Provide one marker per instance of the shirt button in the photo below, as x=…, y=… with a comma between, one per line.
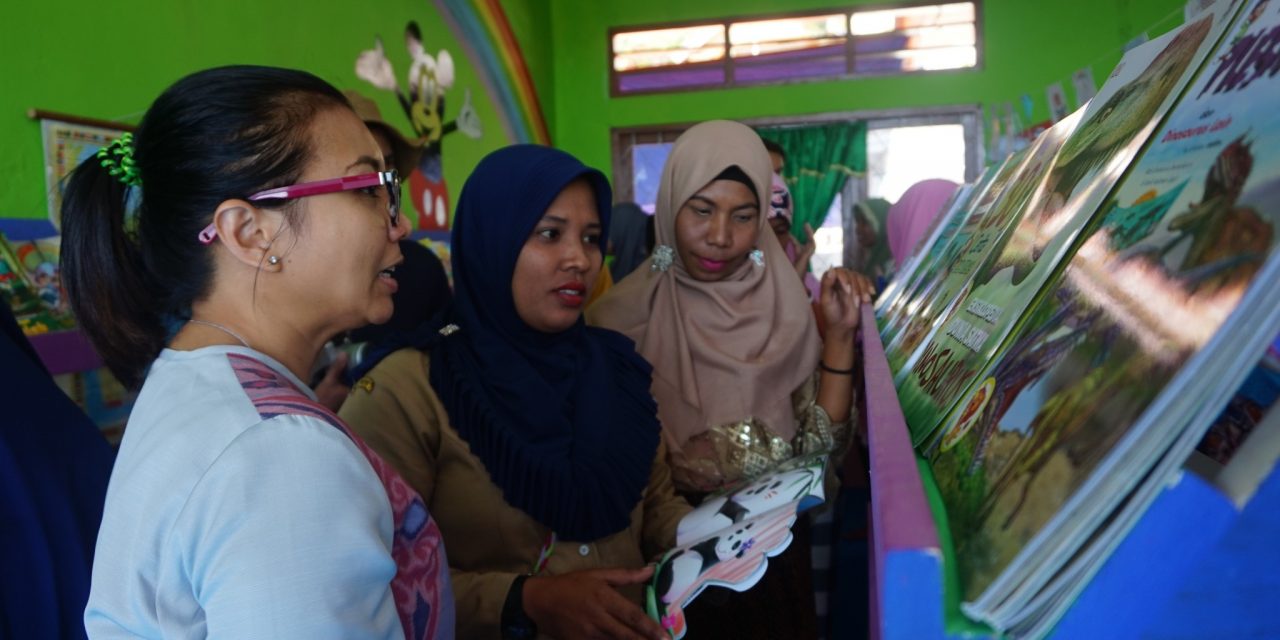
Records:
x=584, y=550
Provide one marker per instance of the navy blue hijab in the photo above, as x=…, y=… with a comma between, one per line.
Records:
x=564, y=423
x=54, y=466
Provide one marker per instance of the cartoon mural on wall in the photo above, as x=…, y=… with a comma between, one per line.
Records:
x=423, y=101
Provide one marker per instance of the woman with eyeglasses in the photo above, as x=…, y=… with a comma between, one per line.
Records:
x=253, y=202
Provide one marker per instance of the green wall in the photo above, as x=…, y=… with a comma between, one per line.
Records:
x=108, y=60
x=1028, y=45
x=530, y=21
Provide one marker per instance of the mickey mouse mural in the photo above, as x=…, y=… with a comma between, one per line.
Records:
x=424, y=104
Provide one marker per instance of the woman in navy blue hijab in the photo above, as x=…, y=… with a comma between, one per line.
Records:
x=532, y=436
x=54, y=466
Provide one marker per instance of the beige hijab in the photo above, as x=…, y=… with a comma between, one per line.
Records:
x=721, y=351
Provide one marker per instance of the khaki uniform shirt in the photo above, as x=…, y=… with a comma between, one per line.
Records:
x=488, y=542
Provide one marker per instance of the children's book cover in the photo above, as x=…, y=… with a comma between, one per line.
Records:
x=39, y=259
x=1182, y=240
x=1114, y=127
x=33, y=314
x=941, y=231
x=911, y=314
x=917, y=367
x=727, y=540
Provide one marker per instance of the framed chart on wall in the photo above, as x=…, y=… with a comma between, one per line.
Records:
x=67, y=141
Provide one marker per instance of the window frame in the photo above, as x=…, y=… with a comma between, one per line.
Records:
x=728, y=65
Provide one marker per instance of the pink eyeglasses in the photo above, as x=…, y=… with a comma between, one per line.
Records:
x=389, y=179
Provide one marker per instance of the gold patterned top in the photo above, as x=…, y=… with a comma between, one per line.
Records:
x=728, y=453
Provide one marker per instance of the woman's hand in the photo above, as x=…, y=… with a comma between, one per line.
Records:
x=586, y=604
x=810, y=242
x=843, y=292
x=332, y=391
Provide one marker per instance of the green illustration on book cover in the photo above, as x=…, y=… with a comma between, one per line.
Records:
x=1114, y=127
x=1180, y=243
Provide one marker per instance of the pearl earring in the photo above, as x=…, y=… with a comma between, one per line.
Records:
x=273, y=260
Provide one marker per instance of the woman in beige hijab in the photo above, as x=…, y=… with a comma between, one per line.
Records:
x=742, y=378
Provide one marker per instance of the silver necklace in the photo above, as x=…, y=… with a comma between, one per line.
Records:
x=222, y=329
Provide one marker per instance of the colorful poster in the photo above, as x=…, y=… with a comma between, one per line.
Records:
x=1099, y=374
x=1057, y=98
x=66, y=145
x=33, y=314
x=1086, y=88
x=39, y=258
x=1114, y=127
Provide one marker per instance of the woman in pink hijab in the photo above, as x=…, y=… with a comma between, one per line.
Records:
x=910, y=218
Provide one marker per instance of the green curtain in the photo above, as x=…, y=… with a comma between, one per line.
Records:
x=819, y=160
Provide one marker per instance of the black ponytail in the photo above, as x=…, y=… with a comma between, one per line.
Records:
x=216, y=134
x=103, y=274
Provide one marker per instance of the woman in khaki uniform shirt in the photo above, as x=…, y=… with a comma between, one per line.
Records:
x=532, y=437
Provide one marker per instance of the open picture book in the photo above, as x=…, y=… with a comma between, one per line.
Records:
x=728, y=539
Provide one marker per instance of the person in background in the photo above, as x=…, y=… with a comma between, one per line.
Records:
x=532, y=437
x=423, y=292
x=780, y=216
x=875, y=260
x=239, y=507
x=604, y=282
x=910, y=217
x=742, y=378
x=397, y=151
x=777, y=155
x=628, y=236
x=54, y=466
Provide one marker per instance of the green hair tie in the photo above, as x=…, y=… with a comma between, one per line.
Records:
x=117, y=159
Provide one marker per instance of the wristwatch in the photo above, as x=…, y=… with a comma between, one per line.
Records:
x=516, y=624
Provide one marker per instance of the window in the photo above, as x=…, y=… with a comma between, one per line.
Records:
x=899, y=156
x=824, y=45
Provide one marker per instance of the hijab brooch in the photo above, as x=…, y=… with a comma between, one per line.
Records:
x=663, y=256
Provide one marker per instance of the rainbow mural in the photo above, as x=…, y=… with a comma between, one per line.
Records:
x=482, y=28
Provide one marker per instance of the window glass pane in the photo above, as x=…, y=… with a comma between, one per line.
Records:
x=650, y=59
x=672, y=78
x=740, y=51
x=768, y=51
x=663, y=47
x=902, y=156
x=864, y=23
x=883, y=41
x=646, y=172
x=804, y=28
x=826, y=62
x=919, y=60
